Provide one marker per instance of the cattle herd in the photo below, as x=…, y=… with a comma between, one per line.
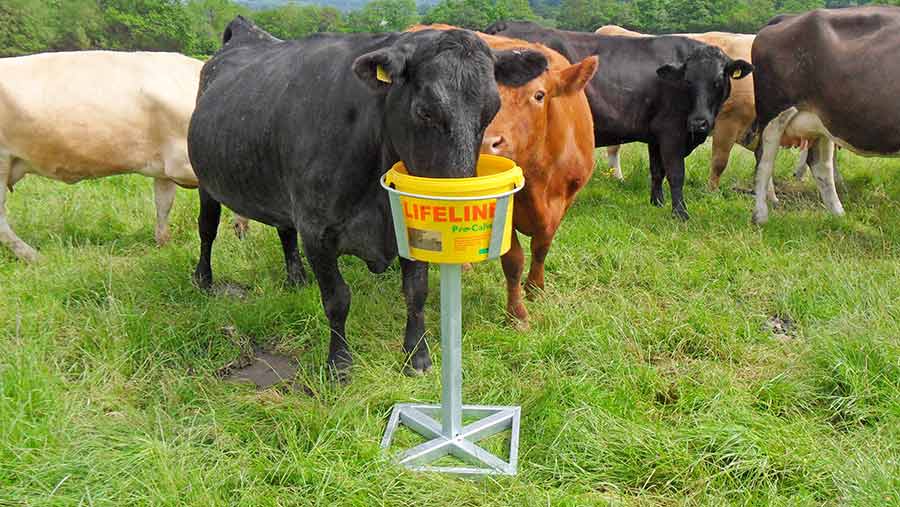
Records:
x=296, y=134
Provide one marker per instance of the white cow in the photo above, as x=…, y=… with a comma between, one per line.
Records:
x=78, y=115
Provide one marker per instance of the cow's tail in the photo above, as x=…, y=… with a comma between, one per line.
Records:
x=751, y=137
x=241, y=30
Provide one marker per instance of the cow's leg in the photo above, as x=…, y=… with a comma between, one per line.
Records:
x=672, y=153
x=415, y=291
x=513, y=263
x=657, y=173
x=800, y=165
x=540, y=246
x=335, y=300
x=724, y=137
x=241, y=225
x=208, y=225
x=7, y=236
x=769, y=144
x=838, y=179
x=296, y=275
x=615, y=164
x=770, y=190
x=164, y=195
x=821, y=157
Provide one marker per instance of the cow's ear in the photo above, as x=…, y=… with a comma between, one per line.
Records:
x=516, y=67
x=496, y=28
x=380, y=68
x=738, y=69
x=573, y=79
x=671, y=72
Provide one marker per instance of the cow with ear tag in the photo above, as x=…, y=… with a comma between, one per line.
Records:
x=665, y=91
x=297, y=135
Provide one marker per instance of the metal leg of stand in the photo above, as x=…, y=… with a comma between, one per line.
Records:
x=451, y=349
x=449, y=436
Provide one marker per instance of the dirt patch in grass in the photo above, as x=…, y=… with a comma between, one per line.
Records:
x=262, y=369
x=782, y=328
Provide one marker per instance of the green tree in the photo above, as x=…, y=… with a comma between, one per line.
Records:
x=292, y=21
x=149, y=24
x=208, y=20
x=26, y=26
x=478, y=14
x=588, y=15
x=383, y=16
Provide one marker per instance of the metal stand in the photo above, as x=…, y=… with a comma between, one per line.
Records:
x=449, y=436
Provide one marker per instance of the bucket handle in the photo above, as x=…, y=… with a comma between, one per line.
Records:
x=497, y=229
x=392, y=190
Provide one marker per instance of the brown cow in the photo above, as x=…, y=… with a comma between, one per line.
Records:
x=547, y=128
x=827, y=77
x=736, y=117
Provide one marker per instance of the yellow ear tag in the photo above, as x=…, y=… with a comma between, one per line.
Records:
x=736, y=74
x=382, y=74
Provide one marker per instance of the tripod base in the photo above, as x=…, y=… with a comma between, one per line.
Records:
x=422, y=419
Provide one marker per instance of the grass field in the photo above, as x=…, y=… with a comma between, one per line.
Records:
x=705, y=363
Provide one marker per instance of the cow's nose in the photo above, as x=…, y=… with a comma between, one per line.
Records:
x=493, y=144
x=700, y=125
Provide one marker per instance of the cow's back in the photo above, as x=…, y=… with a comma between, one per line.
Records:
x=280, y=124
x=93, y=113
x=839, y=64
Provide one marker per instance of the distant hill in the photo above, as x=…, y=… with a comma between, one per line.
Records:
x=344, y=5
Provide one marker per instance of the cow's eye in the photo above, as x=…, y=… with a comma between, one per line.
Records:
x=539, y=96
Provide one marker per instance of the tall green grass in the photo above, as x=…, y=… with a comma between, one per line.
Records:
x=651, y=375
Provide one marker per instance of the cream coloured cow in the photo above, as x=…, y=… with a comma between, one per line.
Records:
x=79, y=115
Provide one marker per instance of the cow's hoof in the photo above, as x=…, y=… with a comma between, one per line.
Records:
x=296, y=278
x=467, y=267
x=339, y=369
x=657, y=201
x=241, y=228
x=681, y=214
x=162, y=237
x=533, y=291
x=760, y=217
x=517, y=317
x=712, y=186
x=419, y=364
x=26, y=254
x=202, y=281
x=614, y=173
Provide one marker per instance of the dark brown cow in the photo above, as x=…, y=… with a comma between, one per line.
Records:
x=826, y=77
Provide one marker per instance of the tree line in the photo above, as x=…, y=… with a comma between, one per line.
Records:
x=194, y=27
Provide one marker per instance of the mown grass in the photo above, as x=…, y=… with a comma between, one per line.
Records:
x=650, y=375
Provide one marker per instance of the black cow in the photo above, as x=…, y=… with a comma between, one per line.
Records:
x=296, y=134
x=665, y=91
x=826, y=77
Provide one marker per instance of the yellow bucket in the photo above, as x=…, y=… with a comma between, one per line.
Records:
x=454, y=220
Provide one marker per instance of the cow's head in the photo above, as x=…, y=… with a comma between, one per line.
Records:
x=522, y=127
x=707, y=73
x=440, y=94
